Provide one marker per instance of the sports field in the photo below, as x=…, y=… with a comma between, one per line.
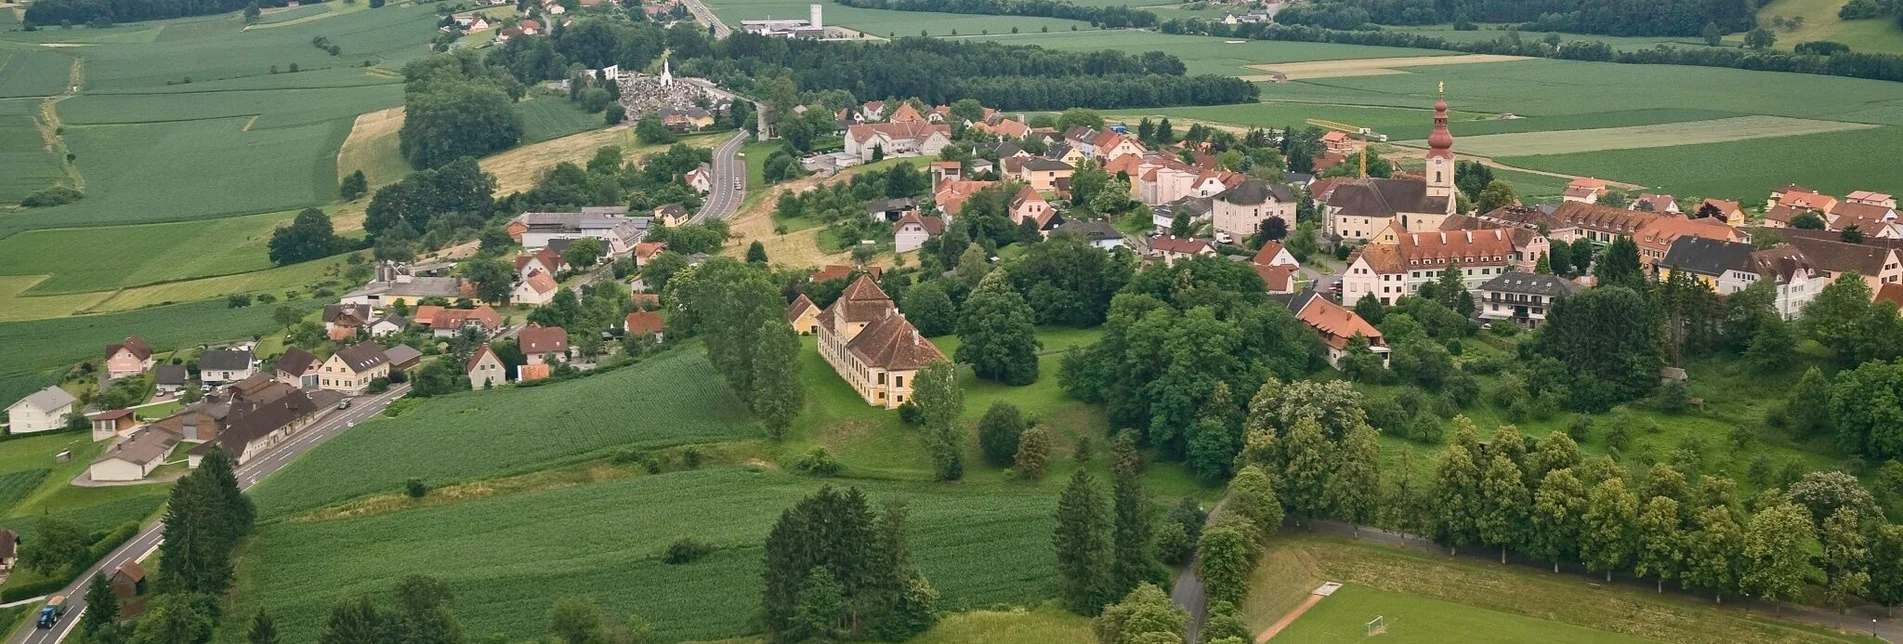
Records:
x=1737, y=128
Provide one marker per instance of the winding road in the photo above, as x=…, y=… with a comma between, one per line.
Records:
x=146, y=542
x=730, y=181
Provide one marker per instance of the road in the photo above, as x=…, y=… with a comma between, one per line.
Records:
x=1189, y=593
x=147, y=540
x=730, y=181
x=706, y=17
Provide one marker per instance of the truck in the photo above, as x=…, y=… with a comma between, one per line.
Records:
x=51, y=612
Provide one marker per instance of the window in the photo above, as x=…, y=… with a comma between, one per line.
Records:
x=898, y=381
x=882, y=378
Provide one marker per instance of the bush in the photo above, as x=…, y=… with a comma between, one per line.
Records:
x=691, y=457
x=379, y=385
x=415, y=488
x=686, y=550
x=114, y=539
x=54, y=196
x=30, y=590
x=1173, y=545
x=1675, y=396
x=910, y=414
x=818, y=463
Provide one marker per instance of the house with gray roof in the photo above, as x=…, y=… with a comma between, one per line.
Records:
x=1242, y=211
x=43, y=410
x=134, y=457
x=1521, y=298
x=219, y=366
x=170, y=377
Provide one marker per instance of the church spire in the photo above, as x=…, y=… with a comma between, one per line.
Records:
x=667, y=74
x=1440, y=143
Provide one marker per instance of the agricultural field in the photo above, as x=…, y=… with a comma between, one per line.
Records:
x=26, y=165
x=122, y=256
x=1432, y=598
x=1204, y=54
x=1821, y=23
x=373, y=148
x=520, y=430
x=1835, y=162
x=1738, y=128
x=1370, y=66
x=32, y=71
x=509, y=557
x=1041, y=626
x=882, y=23
x=546, y=117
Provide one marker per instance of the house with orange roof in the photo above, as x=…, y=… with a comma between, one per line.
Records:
x=1028, y=204
x=449, y=322
x=645, y=251
x=1169, y=250
x=544, y=259
x=1338, y=327
x=908, y=139
x=1799, y=198
x=129, y=357
x=1729, y=211
x=1110, y=145
x=951, y=195
x=543, y=344
x=1584, y=190
x=872, y=346
x=1339, y=142
x=1391, y=271
x=803, y=315
x=1273, y=254
x=535, y=290
x=842, y=271
x=1278, y=280
x=1661, y=204
x=1655, y=238
x=906, y=114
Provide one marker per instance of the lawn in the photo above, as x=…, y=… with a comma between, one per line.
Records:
x=509, y=557
x=1429, y=597
x=26, y=164
x=670, y=400
x=546, y=117
x=98, y=259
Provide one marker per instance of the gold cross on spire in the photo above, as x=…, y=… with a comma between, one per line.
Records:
x=1443, y=88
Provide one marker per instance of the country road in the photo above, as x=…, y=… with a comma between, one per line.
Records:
x=706, y=17
x=147, y=541
x=730, y=181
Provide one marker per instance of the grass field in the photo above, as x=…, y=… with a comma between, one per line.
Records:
x=509, y=557
x=546, y=117
x=100, y=259
x=1201, y=54
x=33, y=71
x=373, y=148
x=1043, y=626
x=1835, y=162
x=1879, y=34
x=1427, y=596
x=26, y=164
x=880, y=23
x=1370, y=66
x=1737, y=128
x=1343, y=617
x=486, y=434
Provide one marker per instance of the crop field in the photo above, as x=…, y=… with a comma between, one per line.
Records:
x=1202, y=54
x=1371, y=66
x=546, y=117
x=1834, y=162
x=1498, y=31
x=37, y=346
x=670, y=400
x=373, y=148
x=33, y=71
x=272, y=108
x=1343, y=617
x=26, y=164
x=1737, y=128
x=214, y=48
x=119, y=256
x=509, y=557
x=1428, y=597
x=1283, y=114
x=881, y=22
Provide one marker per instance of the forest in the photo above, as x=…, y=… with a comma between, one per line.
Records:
x=54, y=12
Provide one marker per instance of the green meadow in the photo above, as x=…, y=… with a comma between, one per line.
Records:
x=26, y=165
x=120, y=256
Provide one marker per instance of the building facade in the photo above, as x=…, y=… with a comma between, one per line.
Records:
x=872, y=346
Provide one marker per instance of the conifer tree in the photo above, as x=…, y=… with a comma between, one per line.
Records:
x=100, y=623
x=1083, y=546
x=1135, y=561
x=263, y=630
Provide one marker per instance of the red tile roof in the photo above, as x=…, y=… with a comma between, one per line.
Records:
x=536, y=338
x=1336, y=324
x=640, y=322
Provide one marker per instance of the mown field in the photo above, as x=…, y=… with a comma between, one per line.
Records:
x=26, y=165
x=509, y=557
x=670, y=400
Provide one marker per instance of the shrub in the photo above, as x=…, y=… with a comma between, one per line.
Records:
x=910, y=414
x=818, y=463
x=54, y=196
x=415, y=488
x=1675, y=396
x=686, y=550
x=1173, y=544
x=691, y=457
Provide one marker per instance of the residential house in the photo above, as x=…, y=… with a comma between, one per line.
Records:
x=1391, y=271
x=449, y=322
x=943, y=171
x=1728, y=211
x=1723, y=265
x=1097, y=233
x=1824, y=251
x=1661, y=204
x=1273, y=254
x=130, y=357
x=485, y=370
x=1585, y=190
x=1796, y=281
x=1339, y=142
x=1520, y=297
x=890, y=210
x=40, y=411
x=645, y=251
x=803, y=315
x=267, y=424
x=544, y=259
x=674, y=214
x=397, y=283
x=913, y=229
x=1110, y=145
x=170, y=378
x=351, y=369
x=897, y=139
x=1574, y=220
x=1528, y=244
x=872, y=346
x=1027, y=204
x=298, y=368
x=951, y=195
x=402, y=357
x=1242, y=211
x=220, y=366
x=9, y=549
x=701, y=178
x=1278, y=280
x=831, y=272
x=1656, y=237
x=1196, y=209
x=1041, y=174
x=1871, y=219
x=388, y=325
x=611, y=225
x=341, y=321
x=685, y=119
x=134, y=457
x=1338, y=327
x=543, y=344
x=1799, y=198
x=645, y=323
x=535, y=290
x=107, y=424
x=1170, y=249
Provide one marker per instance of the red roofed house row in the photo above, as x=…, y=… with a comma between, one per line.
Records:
x=1390, y=271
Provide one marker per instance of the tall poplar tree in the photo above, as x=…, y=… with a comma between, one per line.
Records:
x=778, y=393
x=1354, y=490
x=1083, y=547
x=940, y=401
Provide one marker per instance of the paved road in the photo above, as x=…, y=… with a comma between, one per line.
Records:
x=730, y=181
x=706, y=17
x=1189, y=593
x=147, y=540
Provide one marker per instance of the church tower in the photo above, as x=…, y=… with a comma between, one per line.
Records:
x=1440, y=153
x=667, y=80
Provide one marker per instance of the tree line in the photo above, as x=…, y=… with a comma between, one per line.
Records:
x=418, y=610
x=54, y=12
x=1107, y=17
x=1874, y=66
x=1670, y=18
x=741, y=317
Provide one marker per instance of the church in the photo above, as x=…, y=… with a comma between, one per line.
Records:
x=1361, y=209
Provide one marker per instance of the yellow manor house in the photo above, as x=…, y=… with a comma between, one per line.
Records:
x=870, y=344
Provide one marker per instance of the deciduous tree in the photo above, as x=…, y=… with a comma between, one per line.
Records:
x=1776, y=551
x=940, y=400
x=1607, y=534
x=996, y=333
x=1661, y=545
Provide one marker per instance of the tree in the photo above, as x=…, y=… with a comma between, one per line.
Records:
x=998, y=433
x=1846, y=558
x=1608, y=339
x=263, y=630
x=582, y=253
x=1083, y=546
x=454, y=118
x=1775, y=552
x=174, y=618
x=1712, y=34
x=576, y=620
x=756, y=253
x=1864, y=409
x=1504, y=505
x=1822, y=494
x=940, y=401
x=778, y=392
x=309, y=237
x=492, y=278
x=60, y=543
x=354, y=186
x=1311, y=462
x=1224, y=557
x=929, y=308
x=1773, y=346
x=100, y=623
x=1130, y=535
x=1252, y=495
x=1606, y=540
x=251, y=13
x=1556, y=516
x=1033, y=459
x=1836, y=318
x=1618, y=265
x=1661, y=546
x=1583, y=254
x=1759, y=38
x=1498, y=194
x=649, y=130
x=1145, y=611
x=996, y=333
x=1886, y=567
x=1354, y=490
x=1713, y=550
x=1457, y=480
x=1165, y=133
x=353, y=621
x=1809, y=221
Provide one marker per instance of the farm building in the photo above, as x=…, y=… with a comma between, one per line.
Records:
x=135, y=457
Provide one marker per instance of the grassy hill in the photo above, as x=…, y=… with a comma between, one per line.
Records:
x=1821, y=23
